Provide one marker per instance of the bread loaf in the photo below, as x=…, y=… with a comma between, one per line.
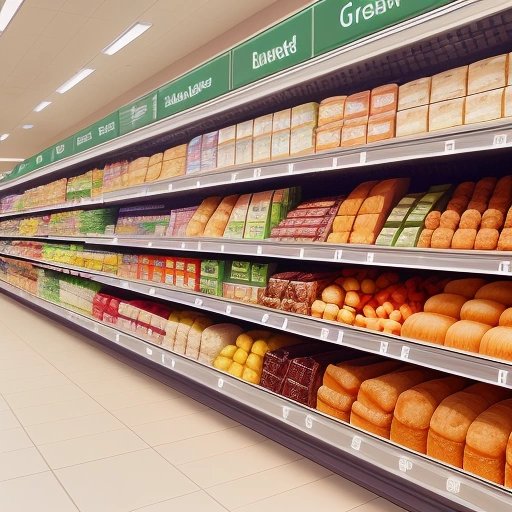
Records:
x=447, y=304
x=331, y=110
x=412, y=121
x=414, y=94
x=499, y=291
x=329, y=136
x=154, y=167
x=202, y=215
x=466, y=335
x=467, y=287
x=481, y=310
x=508, y=465
x=219, y=220
x=377, y=397
x=449, y=84
x=384, y=99
x=215, y=338
x=487, y=239
x=351, y=205
x=193, y=343
x=357, y=105
x=414, y=410
x=453, y=417
x=427, y=327
x=497, y=342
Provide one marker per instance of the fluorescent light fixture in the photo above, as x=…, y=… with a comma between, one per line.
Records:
x=7, y=12
x=42, y=106
x=11, y=159
x=4, y=136
x=84, y=73
x=126, y=37
x=27, y=126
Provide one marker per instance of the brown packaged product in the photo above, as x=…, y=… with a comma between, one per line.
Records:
x=377, y=397
x=413, y=121
x=331, y=110
x=465, y=189
x=414, y=94
x=351, y=205
x=154, y=167
x=175, y=152
x=327, y=202
x=493, y=219
x=446, y=114
x=280, y=144
x=282, y=120
x=354, y=131
x=442, y=238
x=278, y=283
x=502, y=196
x=357, y=105
x=433, y=220
x=425, y=238
x=202, y=215
x=369, y=222
x=487, y=74
x=449, y=219
x=328, y=136
x=363, y=237
x=414, y=410
x=479, y=206
x=384, y=99
x=343, y=223
x=300, y=291
x=137, y=171
x=304, y=375
x=505, y=240
x=484, y=189
x=261, y=148
x=486, y=442
x=485, y=106
x=269, y=302
x=449, y=84
x=173, y=168
x=464, y=238
x=453, y=417
x=338, y=238
x=470, y=219
x=341, y=383
x=487, y=239
x=219, y=220
x=262, y=125
x=508, y=219
x=384, y=195
x=381, y=127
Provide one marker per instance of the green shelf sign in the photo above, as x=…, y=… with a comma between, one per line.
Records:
x=278, y=48
x=202, y=84
x=63, y=149
x=137, y=114
x=339, y=22
x=102, y=131
x=44, y=158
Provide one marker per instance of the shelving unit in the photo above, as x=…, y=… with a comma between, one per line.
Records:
x=480, y=26
x=452, y=486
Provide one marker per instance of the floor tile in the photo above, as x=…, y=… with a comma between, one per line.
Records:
x=378, y=505
x=35, y=493
x=197, y=501
x=157, y=411
x=8, y=420
x=72, y=428
x=28, y=383
x=14, y=439
x=50, y=395
x=331, y=493
x=200, y=447
x=26, y=461
x=122, y=399
x=61, y=411
x=243, y=491
x=124, y=483
x=235, y=464
x=167, y=431
x=4, y=406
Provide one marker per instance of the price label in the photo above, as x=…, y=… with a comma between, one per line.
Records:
x=125, y=285
x=220, y=383
x=222, y=248
x=370, y=257
x=228, y=309
x=259, y=250
x=362, y=157
x=286, y=412
x=199, y=246
x=500, y=140
x=169, y=187
x=338, y=254
x=453, y=485
x=264, y=318
x=340, y=336
x=198, y=184
x=404, y=464
x=504, y=267
x=356, y=443
x=150, y=244
x=198, y=301
x=163, y=358
x=183, y=245
x=95, y=329
x=405, y=352
x=117, y=337
x=301, y=253
x=309, y=421
x=151, y=291
x=383, y=349
x=173, y=363
x=324, y=333
x=502, y=376
x=285, y=323
x=257, y=172
x=234, y=177
x=334, y=162
x=449, y=146
x=114, y=240
x=149, y=351
x=291, y=168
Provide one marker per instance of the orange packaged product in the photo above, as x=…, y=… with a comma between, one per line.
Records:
x=384, y=99
x=357, y=105
x=381, y=127
x=331, y=110
x=414, y=94
x=354, y=132
x=328, y=136
x=449, y=84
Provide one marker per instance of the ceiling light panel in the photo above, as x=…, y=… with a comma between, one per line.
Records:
x=27, y=126
x=11, y=159
x=66, y=86
x=42, y=106
x=7, y=12
x=126, y=37
x=4, y=136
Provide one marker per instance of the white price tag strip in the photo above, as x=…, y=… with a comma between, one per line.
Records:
x=338, y=254
x=96, y=329
x=301, y=253
x=340, y=336
x=290, y=168
x=151, y=291
x=286, y=412
x=222, y=248
x=220, y=383
x=118, y=337
x=257, y=172
x=356, y=443
x=234, y=177
x=502, y=376
x=370, y=257
x=228, y=309
x=264, y=318
x=500, y=140
x=173, y=363
x=404, y=464
x=198, y=184
x=169, y=188
x=259, y=249
x=405, y=352
x=362, y=157
x=453, y=485
x=449, y=146
x=183, y=245
x=149, y=351
x=150, y=244
x=309, y=421
x=383, y=347
x=324, y=333
x=504, y=267
x=198, y=301
x=285, y=323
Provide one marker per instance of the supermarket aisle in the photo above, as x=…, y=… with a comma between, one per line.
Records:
x=82, y=430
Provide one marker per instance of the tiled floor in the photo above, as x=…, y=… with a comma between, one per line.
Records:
x=83, y=429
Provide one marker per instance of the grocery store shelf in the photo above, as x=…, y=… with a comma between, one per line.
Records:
x=242, y=101
x=497, y=263
x=451, y=485
x=474, y=138
x=412, y=351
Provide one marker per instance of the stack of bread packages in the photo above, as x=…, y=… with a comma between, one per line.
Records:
x=244, y=142
x=209, y=148
x=476, y=217
x=362, y=214
x=471, y=315
x=303, y=128
x=173, y=162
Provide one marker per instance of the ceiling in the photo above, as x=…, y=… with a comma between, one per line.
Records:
x=48, y=41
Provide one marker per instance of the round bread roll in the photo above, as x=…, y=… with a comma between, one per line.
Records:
x=450, y=219
x=425, y=238
x=464, y=239
x=432, y=220
x=493, y=219
x=442, y=238
x=487, y=239
x=470, y=219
